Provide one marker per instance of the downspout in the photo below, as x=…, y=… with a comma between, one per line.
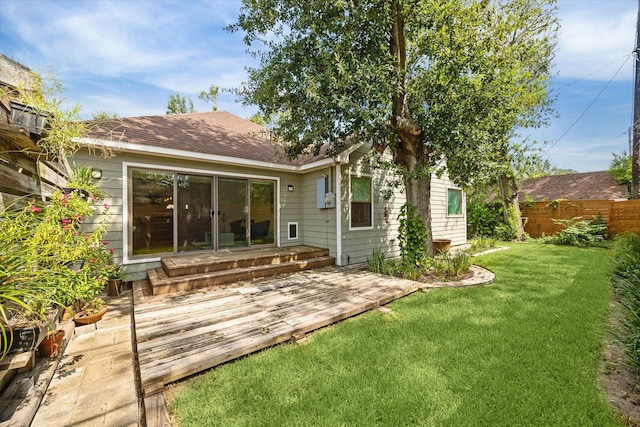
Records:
x=338, y=214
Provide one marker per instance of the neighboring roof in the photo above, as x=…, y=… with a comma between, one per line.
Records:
x=213, y=133
x=575, y=186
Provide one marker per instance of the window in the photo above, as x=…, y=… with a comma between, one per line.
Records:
x=361, y=205
x=454, y=201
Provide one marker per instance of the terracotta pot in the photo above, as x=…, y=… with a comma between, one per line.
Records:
x=51, y=344
x=82, y=318
x=113, y=287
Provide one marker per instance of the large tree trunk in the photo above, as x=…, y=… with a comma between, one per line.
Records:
x=409, y=153
x=509, y=196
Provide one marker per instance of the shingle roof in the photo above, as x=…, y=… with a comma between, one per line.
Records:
x=575, y=186
x=218, y=133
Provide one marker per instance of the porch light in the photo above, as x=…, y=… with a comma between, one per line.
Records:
x=96, y=173
x=290, y=188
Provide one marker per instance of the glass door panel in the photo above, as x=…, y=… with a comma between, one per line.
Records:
x=262, y=210
x=194, y=212
x=152, y=212
x=232, y=212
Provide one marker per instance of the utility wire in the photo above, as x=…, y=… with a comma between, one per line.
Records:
x=626, y=57
x=586, y=109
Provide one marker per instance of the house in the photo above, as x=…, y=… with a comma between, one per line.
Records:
x=213, y=181
x=574, y=186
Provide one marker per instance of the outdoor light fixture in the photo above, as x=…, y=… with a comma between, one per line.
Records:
x=96, y=173
x=290, y=188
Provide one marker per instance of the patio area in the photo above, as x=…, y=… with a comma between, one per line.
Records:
x=179, y=335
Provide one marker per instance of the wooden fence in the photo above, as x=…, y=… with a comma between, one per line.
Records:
x=619, y=216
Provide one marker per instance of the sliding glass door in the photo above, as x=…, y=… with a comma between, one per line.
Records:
x=232, y=212
x=176, y=212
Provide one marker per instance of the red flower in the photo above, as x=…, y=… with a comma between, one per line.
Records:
x=111, y=250
x=35, y=209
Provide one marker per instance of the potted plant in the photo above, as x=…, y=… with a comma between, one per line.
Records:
x=90, y=312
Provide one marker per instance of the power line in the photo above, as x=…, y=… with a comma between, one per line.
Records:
x=588, y=107
x=626, y=57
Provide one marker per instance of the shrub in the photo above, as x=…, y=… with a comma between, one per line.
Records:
x=375, y=262
x=625, y=278
x=578, y=232
x=483, y=218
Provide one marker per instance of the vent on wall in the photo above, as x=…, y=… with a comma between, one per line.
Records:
x=293, y=230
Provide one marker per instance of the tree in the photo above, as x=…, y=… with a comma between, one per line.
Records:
x=621, y=168
x=418, y=78
x=103, y=115
x=179, y=104
x=210, y=96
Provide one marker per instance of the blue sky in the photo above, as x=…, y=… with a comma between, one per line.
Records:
x=127, y=57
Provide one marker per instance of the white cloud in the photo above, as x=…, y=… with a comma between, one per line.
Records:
x=594, y=35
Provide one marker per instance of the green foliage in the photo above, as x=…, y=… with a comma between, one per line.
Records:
x=625, y=278
x=483, y=218
x=578, y=232
x=451, y=267
x=210, y=96
x=63, y=126
x=103, y=115
x=38, y=243
x=375, y=262
x=620, y=168
x=180, y=104
x=480, y=244
x=412, y=234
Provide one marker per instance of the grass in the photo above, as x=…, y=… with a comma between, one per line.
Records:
x=522, y=351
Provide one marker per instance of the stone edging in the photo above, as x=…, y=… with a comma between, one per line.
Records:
x=481, y=276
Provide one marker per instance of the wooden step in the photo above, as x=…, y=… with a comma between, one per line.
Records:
x=185, y=265
x=162, y=283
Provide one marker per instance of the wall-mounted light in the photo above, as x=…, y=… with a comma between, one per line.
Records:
x=96, y=173
x=290, y=188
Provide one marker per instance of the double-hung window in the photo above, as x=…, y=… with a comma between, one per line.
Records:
x=361, y=202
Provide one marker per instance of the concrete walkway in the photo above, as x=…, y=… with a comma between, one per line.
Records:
x=95, y=383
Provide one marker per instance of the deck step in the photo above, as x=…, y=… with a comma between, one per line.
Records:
x=162, y=283
x=206, y=263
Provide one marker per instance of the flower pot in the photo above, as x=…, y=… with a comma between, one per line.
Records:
x=51, y=344
x=113, y=287
x=23, y=339
x=82, y=318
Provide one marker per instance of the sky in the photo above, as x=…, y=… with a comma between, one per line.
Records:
x=128, y=57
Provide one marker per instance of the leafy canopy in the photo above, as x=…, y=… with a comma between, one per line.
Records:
x=454, y=75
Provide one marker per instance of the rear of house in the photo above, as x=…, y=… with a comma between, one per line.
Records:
x=215, y=182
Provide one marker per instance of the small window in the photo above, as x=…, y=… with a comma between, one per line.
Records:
x=454, y=201
x=361, y=206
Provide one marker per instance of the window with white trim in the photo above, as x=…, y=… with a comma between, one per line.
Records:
x=454, y=201
x=361, y=202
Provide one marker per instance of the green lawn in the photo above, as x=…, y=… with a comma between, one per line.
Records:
x=524, y=350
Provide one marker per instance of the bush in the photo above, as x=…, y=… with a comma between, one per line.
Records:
x=625, y=278
x=577, y=232
x=375, y=262
x=483, y=218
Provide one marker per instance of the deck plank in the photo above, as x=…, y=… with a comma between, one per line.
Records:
x=180, y=335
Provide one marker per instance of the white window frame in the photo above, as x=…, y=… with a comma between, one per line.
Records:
x=289, y=224
x=361, y=175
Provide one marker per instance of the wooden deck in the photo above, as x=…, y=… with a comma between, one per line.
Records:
x=184, y=333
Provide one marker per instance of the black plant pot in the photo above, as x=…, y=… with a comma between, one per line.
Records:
x=24, y=338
